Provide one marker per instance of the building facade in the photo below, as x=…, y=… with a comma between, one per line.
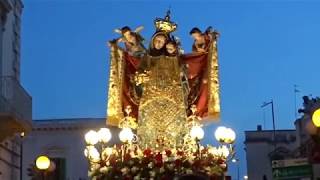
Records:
x=260, y=150
x=286, y=154
x=15, y=102
x=62, y=140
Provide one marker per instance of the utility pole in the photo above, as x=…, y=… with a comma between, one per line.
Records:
x=237, y=161
x=273, y=120
x=295, y=100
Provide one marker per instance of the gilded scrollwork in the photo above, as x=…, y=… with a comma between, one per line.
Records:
x=214, y=85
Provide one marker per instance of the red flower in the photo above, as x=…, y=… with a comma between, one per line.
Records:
x=178, y=163
x=158, y=159
x=221, y=161
x=127, y=157
x=147, y=152
x=180, y=153
x=204, y=151
x=168, y=152
x=196, y=164
x=113, y=160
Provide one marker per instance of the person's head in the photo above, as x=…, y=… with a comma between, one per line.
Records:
x=159, y=41
x=171, y=47
x=132, y=38
x=196, y=33
x=126, y=32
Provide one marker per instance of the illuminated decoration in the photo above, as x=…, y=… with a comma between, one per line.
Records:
x=316, y=118
x=196, y=132
x=126, y=135
x=158, y=98
x=225, y=135
x=130, y=160
x=91, y=137
x=43, y=162
x=104, y=135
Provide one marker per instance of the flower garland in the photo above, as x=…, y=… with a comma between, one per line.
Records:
x=129, y=162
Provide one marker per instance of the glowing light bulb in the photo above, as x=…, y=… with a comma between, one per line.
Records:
x=42, y=162
x=91, y=137
x=126, y=135
x=316, y=118
x=104, y=135
x=220, y=133
x=197, y=132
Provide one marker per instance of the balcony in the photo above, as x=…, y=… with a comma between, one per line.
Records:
x=15, y=108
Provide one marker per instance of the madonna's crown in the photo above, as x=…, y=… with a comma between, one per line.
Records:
x=165, y=24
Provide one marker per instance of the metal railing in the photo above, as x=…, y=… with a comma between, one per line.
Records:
x=14, y=99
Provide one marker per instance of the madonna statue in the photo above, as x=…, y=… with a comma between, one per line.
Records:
x=160, y=84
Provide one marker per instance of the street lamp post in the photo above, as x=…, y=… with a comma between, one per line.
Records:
x=316, y=118
x=273, y=120
x=43, y=164
x=21, y=153
x=226, y=136
x=236, y=161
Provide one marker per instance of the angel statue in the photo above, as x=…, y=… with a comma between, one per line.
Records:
x=161, y=83
x=132, y=40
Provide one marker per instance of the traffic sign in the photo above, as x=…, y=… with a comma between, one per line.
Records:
x=291, y=168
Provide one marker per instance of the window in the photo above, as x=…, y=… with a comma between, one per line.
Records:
x=60, y=170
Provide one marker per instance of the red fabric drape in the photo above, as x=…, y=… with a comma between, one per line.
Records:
x=197, y=77
x=131, y=66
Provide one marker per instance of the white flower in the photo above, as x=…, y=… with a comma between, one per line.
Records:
x=207, y=169
x=131, y=162
x=132, y=154
x=137, y=177
x=104, y=169
x=134, y=169
x=223, y=165
x=124, y=171
x=152, y=173
x=150, y=165
x=139, y=152
x=95, y=166
x=90, y=173
x=170, y=166
x=162, y=170
x=165, y=158
x=189, y=171
x=171, y=159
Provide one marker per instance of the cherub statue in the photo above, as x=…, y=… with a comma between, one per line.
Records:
x=202, y=40
x=132, y=40
x=172, y=47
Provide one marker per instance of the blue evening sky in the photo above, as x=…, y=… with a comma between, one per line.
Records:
x=265, y=48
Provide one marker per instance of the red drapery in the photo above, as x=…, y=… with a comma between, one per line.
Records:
x=131, y=66
x=197, y=76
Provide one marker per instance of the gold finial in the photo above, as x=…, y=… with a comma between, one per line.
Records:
x=165, y=24
x=167, y=18
x=193, y=109
x=128, y=121
x=128, y=110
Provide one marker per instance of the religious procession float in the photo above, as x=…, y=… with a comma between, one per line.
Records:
x=160, y=97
